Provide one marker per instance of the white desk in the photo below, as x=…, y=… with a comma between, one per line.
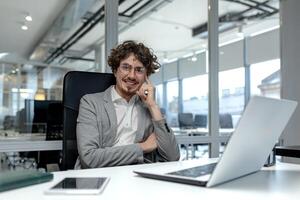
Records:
x=201, y=131
x=28, y=142
x=191, y=137
x=16, y=142
x=199, y=135
x=280, y=182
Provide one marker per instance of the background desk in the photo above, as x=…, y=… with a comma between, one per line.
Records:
x=28, y=142
x=279, y=182
x=289, y=151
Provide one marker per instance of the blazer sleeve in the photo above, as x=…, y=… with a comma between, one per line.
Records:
x=168, y=148
x=90, y=139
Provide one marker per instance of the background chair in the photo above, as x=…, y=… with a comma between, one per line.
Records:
x=76, y=84
x=185, y=120
x=226, y=121
x=54, y=121
x=200, y=121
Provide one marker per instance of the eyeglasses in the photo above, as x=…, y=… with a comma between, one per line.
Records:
x=138, y=70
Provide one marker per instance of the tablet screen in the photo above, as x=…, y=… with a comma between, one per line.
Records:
x=76, y=185
x=81, y=183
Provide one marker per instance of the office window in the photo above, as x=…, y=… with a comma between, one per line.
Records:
x=159, y=95
x=231, y=92
x=172, y=103
x=21, y=83
x=265, y=78
x=192, y=151
x=195, y=94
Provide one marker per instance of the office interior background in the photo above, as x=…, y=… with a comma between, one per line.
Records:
x=257, y=56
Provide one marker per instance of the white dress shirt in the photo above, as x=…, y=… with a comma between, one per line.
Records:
x=126, y=118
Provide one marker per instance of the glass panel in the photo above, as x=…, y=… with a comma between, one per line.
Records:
x=222, y=148
x=193, y=151
x=159, y=94
x=265, y=78
x=195, y=99
x=231, y=92
x=26, y=93
x=172, y=103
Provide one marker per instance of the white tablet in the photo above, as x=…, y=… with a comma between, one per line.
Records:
x=79, y=185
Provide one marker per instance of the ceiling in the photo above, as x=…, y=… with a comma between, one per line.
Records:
x=167, y=26
x=21, y=43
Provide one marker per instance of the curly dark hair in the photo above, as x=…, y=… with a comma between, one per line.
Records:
x=140, y=51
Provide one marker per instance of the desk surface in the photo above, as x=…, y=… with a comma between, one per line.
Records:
x=279, y=182
x=200, y=131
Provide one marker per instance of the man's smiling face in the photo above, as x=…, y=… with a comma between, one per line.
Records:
x=130, y=75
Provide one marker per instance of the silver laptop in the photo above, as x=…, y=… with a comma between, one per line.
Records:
x=247, y=150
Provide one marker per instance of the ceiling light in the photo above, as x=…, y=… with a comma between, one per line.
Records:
x=165, y=60
x=28, y=18
x=194, y=57
x=240, y=32
x=187, y=55
x=172, y=60
x=2, y=55
x=24, y=27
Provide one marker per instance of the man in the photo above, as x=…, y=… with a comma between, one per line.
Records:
x=123, y=125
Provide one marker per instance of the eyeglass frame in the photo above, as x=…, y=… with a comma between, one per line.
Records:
x=125, y=68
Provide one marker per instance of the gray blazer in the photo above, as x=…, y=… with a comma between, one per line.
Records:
x=96, y=134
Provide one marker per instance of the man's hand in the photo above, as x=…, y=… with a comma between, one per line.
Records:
x=150, y=144
x=146, y=93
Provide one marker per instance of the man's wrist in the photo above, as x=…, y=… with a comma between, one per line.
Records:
x=153, y=106
x=143, y=147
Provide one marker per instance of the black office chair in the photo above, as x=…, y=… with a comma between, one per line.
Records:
x=77, y=84
x=200, y=121
x=226, y=121
x=185, y=120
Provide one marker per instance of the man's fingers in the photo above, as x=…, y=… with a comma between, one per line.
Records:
x=147, y=80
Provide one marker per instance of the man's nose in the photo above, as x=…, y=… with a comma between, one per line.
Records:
x=131, y=72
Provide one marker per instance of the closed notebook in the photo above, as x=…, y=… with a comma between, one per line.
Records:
x=16, y=179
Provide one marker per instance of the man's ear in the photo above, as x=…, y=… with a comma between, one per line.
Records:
x=114, y=72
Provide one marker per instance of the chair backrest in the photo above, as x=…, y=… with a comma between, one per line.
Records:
x=185, y=120
x=226, y=121
x=76, y=84
x=200, y=121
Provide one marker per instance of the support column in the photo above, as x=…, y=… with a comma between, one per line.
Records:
x=99, y=59
x=213, y=75
x=247, y=72
x=290, y=68
x=111, y=27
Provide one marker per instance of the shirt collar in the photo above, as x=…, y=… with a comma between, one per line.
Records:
x=116, y=97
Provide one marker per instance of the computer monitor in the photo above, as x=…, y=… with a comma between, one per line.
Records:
x=35, y=117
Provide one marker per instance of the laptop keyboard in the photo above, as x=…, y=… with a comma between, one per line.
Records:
x=196, y=171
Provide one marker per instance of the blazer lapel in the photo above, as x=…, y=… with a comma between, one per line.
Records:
x=111, y=112
x=141, y=123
